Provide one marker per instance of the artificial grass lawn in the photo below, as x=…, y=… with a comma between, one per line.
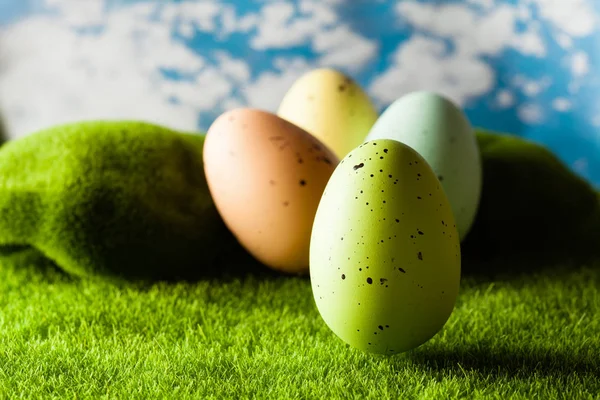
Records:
x=532, y=336
x=75, y=196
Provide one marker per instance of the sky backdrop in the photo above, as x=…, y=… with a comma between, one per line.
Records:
x=529, y=67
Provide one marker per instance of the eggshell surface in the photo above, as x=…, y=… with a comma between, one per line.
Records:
x=332, y=107
x=385, y=252
x=266, y=177
x=438, y=130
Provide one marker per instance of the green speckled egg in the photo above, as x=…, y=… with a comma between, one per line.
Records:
x=384, y=251
x=436, y=128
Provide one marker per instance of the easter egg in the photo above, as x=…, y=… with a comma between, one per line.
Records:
x=438, y=130
x=266, y=177
x=332, y=107
x=385, y=252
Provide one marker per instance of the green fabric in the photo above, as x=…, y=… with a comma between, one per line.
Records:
x=112, y=198
x=533, y=208
x=130, y=199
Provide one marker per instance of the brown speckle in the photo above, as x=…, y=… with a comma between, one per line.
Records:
x=302, y=182
x=420, y=256
x=358, y=166
x=402, y=270
x=369, y=281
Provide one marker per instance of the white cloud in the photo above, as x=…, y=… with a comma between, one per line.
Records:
x=111, y=75
x=573, y=17
x=77, y=12
x=531, y=87
x=235, y=69
x=278, y=28
x=531, y=113
x=580, y=64
x=186, y=29
x=529, y=42
x=201, y=14
x=473, y=32
x=505, y=98
x=343, y=48
x=524, y=12
x=564, y=41
x=422, y=63
x=323, y=14
x=281, y=25
x=561, y=104
x=270, y=87
x=596, y=121
x=115, y=73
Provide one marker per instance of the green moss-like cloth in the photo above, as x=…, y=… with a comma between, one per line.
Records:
x=533, y=208
x=112, y=198
x=130, y=199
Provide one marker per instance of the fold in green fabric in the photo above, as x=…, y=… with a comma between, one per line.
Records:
x=130, y=199
x=112, y=198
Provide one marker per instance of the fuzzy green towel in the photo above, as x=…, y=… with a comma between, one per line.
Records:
x=112, y=198
x=533, y=208
x=130, y=199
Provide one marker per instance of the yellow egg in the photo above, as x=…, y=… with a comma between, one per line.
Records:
x=266, y=177
x=330, y=106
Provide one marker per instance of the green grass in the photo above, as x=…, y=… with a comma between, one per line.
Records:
x=260, y=335
x=530, y=336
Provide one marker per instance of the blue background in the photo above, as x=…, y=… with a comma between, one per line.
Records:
x=526, y=67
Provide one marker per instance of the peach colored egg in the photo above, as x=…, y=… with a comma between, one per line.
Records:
x=266, y=176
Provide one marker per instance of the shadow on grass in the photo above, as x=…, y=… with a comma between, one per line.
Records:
x=507, y=362
x=239, y=265
x=515, y=267
x=233, y=265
